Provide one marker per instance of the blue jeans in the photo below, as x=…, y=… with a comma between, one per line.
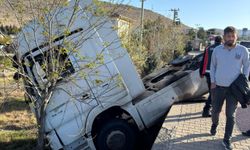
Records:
x=218, y=95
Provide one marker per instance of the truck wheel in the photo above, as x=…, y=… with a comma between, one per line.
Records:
x=116, y=134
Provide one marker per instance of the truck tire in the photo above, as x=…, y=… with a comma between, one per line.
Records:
x=116, y=134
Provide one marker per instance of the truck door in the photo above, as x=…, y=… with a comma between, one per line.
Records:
x=101, y=73
x=106, y=84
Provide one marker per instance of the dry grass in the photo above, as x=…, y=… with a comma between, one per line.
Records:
x=17, y=123
x=16, y=116
x=7, y=79
x=17, y=140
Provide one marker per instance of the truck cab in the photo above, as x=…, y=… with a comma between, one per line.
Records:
x=100, y=106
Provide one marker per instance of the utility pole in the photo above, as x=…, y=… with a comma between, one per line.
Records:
x=197, y=42
x=176, y=19
x=142, y=18
x=197, y=29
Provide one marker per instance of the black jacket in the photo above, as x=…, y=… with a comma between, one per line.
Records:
x=240, y=90
x=206, y=60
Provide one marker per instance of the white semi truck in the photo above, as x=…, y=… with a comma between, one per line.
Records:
x=86, y=114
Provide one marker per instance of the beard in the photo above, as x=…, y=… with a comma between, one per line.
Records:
x=230, y=43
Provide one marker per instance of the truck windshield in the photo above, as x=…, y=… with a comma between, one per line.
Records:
x=41, y=65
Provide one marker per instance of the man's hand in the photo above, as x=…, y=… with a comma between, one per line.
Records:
x=213, y=85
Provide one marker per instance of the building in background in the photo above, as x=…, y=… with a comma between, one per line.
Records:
x=244, y=34
x=123, y=25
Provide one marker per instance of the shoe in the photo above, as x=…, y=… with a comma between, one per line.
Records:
x=206, y=113
x=227, y=144
x=213, y=129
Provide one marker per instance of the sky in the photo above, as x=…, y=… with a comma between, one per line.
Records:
x=202, y=13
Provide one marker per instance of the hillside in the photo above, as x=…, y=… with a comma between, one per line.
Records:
x=130, y=12
x=134, y=14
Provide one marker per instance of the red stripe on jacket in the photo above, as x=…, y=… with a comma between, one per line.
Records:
x=205, y=62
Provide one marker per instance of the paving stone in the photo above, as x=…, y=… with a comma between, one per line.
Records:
x=189, y=131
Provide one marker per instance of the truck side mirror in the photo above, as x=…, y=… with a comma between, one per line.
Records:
x=40, y=75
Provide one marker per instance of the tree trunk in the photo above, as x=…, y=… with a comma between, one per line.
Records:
x=41, y=129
